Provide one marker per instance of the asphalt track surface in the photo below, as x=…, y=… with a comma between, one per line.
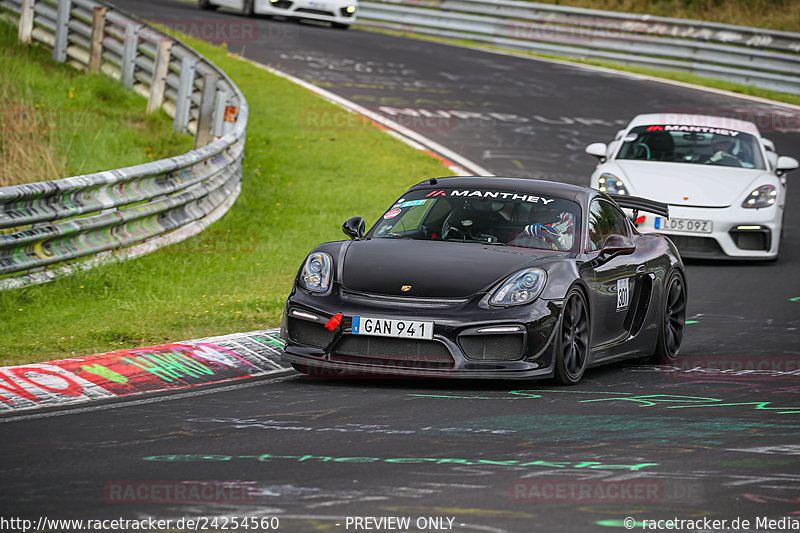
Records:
x=631, y=440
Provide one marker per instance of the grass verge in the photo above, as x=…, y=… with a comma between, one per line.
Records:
x=57, y=122
x=309, y=166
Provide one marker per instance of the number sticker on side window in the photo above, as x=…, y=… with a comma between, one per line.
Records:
x=623, y=294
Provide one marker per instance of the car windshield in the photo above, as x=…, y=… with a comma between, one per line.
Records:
x=485, y=216
x=692, y=144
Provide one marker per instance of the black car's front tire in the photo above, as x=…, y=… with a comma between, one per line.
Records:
x=673, y=319
x=206, y=4
x=572, y=348
x=303, y=369
x=248, y=8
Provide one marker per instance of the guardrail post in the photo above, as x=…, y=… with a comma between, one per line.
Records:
x=96, y=43
x=222, y=100
x=129, y=51
x=26, y=21
x=159, y=75
x=203, y=134
x=62, y=31
x=185, y=86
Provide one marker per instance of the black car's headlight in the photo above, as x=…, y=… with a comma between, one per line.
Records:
x=316, y=274
x=521, y=288
x=763, y=196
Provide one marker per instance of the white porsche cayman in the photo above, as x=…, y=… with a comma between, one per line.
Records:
x=724, y=183
x=340, y=13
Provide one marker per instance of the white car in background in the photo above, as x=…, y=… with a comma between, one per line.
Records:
x=340, y=13
x=724, y=183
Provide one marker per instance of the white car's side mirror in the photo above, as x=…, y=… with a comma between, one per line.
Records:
x=786, y=163
x=597, y=149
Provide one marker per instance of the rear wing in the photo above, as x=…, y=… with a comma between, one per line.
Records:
x=641, y=204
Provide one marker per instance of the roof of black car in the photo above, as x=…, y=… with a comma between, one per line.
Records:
x=527, y=185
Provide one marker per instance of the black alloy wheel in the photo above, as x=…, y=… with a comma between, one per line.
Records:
x=673, y=322
x=573, y=342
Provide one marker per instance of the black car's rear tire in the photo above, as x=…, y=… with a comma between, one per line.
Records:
x=673, y=319
x=572, y=344
x=206, y=4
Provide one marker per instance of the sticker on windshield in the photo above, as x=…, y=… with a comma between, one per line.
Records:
x=502, y=196
x=391, y=214
x=693, y=129
x=412, y=203
x=630, y=137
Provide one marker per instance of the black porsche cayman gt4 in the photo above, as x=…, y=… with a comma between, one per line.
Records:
x=488, y=278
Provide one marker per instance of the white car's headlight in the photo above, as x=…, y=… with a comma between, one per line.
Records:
x=609, y=183
x=350, y=9
x=521, y=288
x=316, y=274
x=763, y=196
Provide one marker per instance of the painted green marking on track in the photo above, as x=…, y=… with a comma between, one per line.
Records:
x=272, y=340
x=449, y=397
x=619, y=523
x=629, y=524
x=105, y=372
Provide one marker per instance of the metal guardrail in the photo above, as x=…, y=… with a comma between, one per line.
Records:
x=51, y=228
x=752, y=56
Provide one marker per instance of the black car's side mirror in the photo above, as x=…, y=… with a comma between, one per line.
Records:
x=615, y=245
x=355, y=228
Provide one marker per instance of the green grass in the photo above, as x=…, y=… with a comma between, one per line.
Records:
x=682, y=77
x=57, y=122
x=301, y=182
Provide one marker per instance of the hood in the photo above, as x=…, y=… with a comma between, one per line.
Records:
x=688, y=184
x=433, y=269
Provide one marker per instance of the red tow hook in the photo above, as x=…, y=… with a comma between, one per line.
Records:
x=334, y=322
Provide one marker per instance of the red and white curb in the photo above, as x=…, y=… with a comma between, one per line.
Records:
x=127, y=372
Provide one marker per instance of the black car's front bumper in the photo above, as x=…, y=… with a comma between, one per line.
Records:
x=470, y=339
